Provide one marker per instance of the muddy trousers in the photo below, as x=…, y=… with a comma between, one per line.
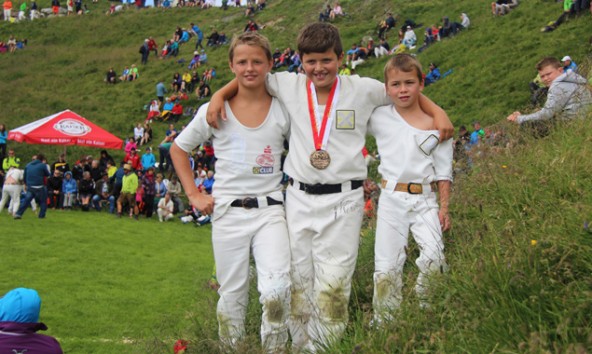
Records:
x=235, y=235
x=398, y=213
x=324, y=239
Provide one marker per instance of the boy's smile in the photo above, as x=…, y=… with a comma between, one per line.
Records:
x=321, y=68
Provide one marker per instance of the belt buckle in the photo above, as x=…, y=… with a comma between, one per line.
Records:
x=414, y=188
x=249, y=203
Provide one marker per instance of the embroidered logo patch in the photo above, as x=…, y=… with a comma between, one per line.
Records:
x=265, y=162
x=345, y=120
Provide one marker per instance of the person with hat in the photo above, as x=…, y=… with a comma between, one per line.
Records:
x=569, y=65
x=19, y=324
x=128, y=192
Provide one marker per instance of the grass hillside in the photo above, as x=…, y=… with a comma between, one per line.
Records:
x=520, y=250
x=65, y=62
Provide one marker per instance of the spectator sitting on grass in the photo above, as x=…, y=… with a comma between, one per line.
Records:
x=251, y=26
x=336, y=11
x=177, y=82
x=111, y=76
x=148, y=159
x=410, y=38
x=568, y=95
x=325, y=14
x=104, y=192
x=386, y=25
x=130, y=144
x=125, y=74
x=138, y=133
x=133, y=73
x=465, y=22
x=569, y=65
x=567, y=11
x=165, y=208
x=69, y=190
x=203, y=90
x=213, y=39
x=86, y=189
x=433, y=75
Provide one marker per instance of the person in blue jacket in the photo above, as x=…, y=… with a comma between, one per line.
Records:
x=36, y=172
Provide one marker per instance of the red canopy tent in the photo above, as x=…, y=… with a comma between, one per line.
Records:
x=65, y=128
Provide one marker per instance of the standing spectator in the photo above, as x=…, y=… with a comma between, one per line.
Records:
x=144, y=51
x=61, y=164
x=165, y=208
x=34, y=12
x=152, y=46
x=22, y=11
x=149, y=186
x=7, y=9
x=13, y=186
x=133, y=159
x=19, y=322
x=160, y=91
x=128, y=192
x=10, y=161
x=35, y=173
x=55, y=7
x=165, y=162
x=198, y=33
x=3, y=139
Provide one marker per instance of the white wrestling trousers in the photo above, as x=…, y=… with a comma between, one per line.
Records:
x=12, y=191
x=398, y=213
x=235, y=235
x=324, y=240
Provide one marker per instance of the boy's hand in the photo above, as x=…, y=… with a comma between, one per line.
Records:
x=202, y=202
x=215, y=110
x=444, y=220
x=513, y=117
x=445, y=128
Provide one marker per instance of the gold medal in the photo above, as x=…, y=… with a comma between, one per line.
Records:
x=320, y=159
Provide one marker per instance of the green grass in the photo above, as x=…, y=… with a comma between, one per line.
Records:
x=520, y=259
x=105, y=280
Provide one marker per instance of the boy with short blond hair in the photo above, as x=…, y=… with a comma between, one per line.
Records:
x=413, y=167
x=324, y=202
x=247, y=201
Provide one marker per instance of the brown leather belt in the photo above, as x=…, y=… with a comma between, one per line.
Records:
x=411, y=188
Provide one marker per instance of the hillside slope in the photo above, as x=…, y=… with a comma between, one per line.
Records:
x=64, y=64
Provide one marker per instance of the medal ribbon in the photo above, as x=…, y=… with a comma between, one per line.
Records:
x=321, y=137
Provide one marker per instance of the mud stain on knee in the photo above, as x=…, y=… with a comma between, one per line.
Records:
x=275, y=310
x=385, y=286
x=333, y=304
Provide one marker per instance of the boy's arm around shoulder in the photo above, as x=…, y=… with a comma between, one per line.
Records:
x=216, y=106
x=441, y=120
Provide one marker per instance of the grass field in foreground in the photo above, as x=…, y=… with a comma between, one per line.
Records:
x=109, y=285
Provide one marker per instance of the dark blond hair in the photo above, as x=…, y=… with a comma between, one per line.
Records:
x=250, y=38
x=403, y=62
x=548, y=61
x=319, y=37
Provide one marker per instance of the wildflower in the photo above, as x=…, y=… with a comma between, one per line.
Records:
x=533, y=242
x=504, y=166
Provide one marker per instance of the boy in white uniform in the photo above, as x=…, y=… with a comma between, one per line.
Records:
x=248, y=212
x=324, y=202
x=413, y=165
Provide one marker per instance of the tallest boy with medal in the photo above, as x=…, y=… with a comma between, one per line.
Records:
x=324, y=202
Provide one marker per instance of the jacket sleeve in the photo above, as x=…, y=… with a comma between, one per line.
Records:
x=556, y=100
